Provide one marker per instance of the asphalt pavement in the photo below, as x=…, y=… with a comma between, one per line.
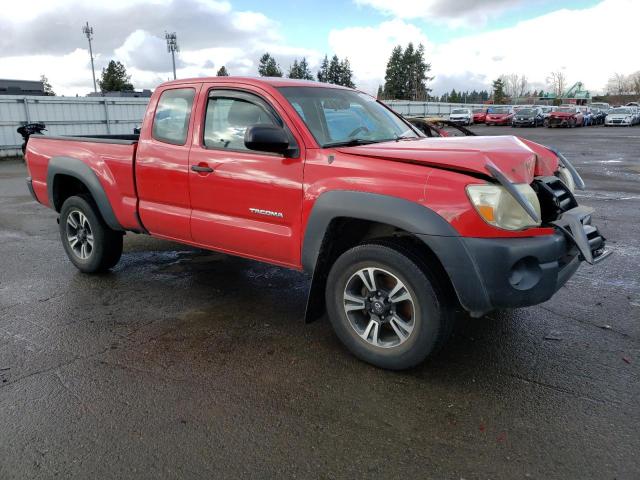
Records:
x=183, y=363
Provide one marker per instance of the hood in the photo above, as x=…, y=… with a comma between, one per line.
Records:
x=619, y=115
x=498, y=115
x=563, y=114
x=519, y=160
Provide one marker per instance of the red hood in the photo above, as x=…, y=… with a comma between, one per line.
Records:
x=518, y=159
x=563, y=114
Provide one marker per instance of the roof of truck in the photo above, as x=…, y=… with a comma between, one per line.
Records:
x=271, y=81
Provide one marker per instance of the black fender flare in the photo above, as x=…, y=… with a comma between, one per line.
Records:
x=79, y=170
x=433, y=230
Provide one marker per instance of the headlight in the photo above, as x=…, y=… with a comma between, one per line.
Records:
x=566, y=178
x=497, y=207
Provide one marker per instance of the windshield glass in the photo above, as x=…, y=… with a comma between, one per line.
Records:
x=459, y=111
x=622, y=110
x=566, y=110
x=546, y=109
x=338, y=117
x=526, y=111
x=500, y=110
x=478, y=110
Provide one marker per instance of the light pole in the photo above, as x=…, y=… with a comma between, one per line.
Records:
x=88, y=31
x=172, y=48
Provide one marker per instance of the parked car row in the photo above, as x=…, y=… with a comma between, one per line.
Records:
x=568, y=116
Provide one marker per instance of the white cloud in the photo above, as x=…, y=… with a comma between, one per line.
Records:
x=533, y=47
x=454, y=13
x=368, y=48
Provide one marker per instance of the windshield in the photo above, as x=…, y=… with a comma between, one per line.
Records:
x=500, y=110
x=342, y=117
x=546, y=109
x=526, y=111
x=478, y=110
x=622, y=111
x=566, y=110
x=459, y=111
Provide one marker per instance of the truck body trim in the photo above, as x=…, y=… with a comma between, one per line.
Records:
x=79, y=170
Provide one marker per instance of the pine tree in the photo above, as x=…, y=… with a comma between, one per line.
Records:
x=323, y=72
x=48, y=89
x=268, y=66
x=222, y=72
x=345, y=75
x=498, y=91
x=115, y=79
x=406, y=75
x=300, y=70
x=393, y=84
x=334, y=72
x=380, y=94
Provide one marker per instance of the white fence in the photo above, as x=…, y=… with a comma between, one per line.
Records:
x=67, y=116
x=115, y=115
x=427, y=108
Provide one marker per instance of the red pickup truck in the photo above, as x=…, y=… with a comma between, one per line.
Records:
x=396, y=230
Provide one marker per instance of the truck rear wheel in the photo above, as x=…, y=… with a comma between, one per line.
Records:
x=387, y=307
x=89, y=243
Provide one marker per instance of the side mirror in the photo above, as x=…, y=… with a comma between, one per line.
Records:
x=266, y=138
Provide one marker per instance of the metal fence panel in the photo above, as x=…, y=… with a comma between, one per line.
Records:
x=67, y=116
x=115, y=115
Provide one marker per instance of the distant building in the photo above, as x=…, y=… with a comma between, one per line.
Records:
x=21, y=87
x=146, y=93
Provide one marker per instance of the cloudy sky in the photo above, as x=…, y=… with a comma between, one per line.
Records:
x=468, y=42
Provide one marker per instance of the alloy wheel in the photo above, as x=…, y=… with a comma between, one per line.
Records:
x=79, y=234
x=379, y=307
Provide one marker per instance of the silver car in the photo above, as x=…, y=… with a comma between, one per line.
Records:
x=622, y=116
x=463, y=116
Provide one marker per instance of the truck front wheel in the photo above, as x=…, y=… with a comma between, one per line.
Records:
x=388, y=308
x=89, y=243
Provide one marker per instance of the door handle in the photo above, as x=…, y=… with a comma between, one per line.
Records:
x=201, y=168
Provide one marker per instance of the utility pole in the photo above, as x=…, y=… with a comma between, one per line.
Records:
x=88, y=31
x=172, y=48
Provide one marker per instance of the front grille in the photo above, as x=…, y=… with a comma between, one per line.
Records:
x=554, y=196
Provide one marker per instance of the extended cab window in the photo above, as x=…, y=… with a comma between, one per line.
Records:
x=171, y=122
x=228, y=116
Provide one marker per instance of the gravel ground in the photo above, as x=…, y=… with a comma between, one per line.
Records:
x=183, y=363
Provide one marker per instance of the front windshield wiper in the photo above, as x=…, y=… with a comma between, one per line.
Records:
x=352, y=143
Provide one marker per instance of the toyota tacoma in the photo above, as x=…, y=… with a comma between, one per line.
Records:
x=397, y=231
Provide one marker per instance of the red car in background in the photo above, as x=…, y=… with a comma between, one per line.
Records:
x=500, y=115
x=479, y=115
x=566, y=116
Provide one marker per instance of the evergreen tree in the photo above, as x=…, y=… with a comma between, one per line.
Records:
x=115, y=79
x=222, y=72
x=268, y=67
x=393, y=84
x=498, y=91
x=323, y=73
x=48, y=89
x=300, y=70
x=406, y=75
x=345, y=75
x=380, y=94
x=334, y=73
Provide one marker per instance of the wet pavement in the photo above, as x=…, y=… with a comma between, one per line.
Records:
x=183, y=363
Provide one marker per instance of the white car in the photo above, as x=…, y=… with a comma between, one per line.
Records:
x=461, y=115
x=622, y=116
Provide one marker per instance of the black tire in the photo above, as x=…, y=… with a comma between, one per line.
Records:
x=431, y=305
x=106, y=247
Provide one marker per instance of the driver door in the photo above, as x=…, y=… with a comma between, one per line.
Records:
x=242, y=201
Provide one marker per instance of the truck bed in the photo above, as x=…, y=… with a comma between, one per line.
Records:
x=108, y=158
